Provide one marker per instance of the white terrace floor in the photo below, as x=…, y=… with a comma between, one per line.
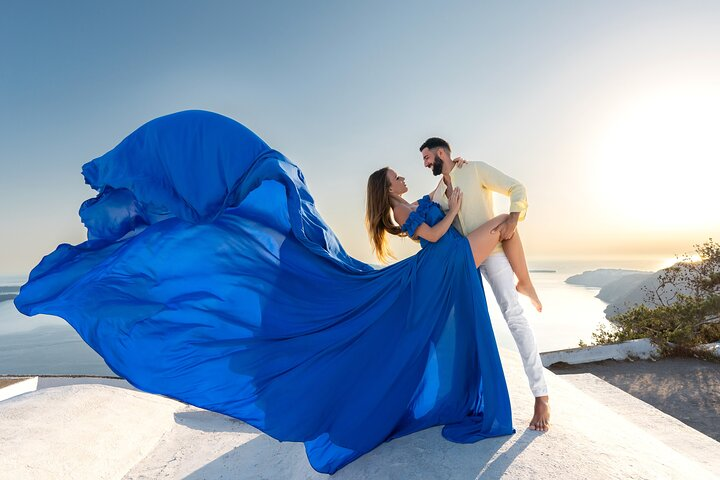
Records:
x=72, y=429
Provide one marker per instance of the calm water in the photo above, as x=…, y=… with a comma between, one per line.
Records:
x=45, y=344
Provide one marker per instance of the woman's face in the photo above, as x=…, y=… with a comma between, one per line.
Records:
x=397, y=183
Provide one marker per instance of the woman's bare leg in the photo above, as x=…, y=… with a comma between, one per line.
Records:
x=482, y=242
x=516, y=256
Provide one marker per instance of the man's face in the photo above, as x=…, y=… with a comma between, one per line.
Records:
x=432, y=160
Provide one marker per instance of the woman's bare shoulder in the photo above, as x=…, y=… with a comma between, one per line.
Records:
x=401, y=213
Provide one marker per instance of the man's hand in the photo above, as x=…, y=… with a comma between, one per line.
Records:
x=507, y=228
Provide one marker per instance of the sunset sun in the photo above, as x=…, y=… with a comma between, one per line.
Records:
x=658, y=158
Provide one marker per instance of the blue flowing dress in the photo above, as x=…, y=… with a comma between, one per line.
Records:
x=208, y=276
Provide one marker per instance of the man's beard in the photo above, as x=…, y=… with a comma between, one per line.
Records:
x=437, y=165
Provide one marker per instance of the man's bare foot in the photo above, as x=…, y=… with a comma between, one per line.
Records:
x=528, y=290
x=541, y=418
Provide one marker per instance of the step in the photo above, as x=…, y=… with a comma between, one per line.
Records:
x=667, y=429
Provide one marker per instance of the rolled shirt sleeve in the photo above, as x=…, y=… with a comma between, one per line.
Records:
x=495, y=180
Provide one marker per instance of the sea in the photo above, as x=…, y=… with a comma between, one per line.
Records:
x=48, y=345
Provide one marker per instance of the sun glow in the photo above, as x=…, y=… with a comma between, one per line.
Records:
x=657, y=164
x=669, y=262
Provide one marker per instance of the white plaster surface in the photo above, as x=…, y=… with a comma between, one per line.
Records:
x=99, y=431
x=641, y=348
x=80, y=431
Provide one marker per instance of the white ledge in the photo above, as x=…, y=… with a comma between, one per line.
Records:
x=18, y=388
x=641, y=348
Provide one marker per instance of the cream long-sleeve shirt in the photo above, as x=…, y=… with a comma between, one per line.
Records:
x=478, y=180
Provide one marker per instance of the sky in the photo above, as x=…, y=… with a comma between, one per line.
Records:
x=607, y=112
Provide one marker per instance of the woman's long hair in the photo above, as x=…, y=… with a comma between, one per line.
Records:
x=378, y=219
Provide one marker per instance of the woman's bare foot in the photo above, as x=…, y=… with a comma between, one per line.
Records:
x=528, y=290
x=541, y=418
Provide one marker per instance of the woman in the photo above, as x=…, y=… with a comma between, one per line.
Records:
x=426, y=220
x=208, y=276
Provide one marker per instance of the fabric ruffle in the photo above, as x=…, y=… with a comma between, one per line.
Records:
x=417, y=216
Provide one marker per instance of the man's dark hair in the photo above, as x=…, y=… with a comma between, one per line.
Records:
x=435, y=142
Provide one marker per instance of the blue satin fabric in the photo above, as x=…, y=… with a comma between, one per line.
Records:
x=208, y=276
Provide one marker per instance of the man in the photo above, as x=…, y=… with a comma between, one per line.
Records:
x=477, y=181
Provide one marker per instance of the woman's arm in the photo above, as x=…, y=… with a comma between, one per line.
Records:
x=434, y=233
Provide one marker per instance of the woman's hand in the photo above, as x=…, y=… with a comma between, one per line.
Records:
x=455, y=200
x=459, y=161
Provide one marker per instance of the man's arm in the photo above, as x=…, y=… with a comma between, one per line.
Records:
x=495, y=180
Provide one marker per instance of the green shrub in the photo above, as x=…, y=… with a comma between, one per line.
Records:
x=683, y=311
